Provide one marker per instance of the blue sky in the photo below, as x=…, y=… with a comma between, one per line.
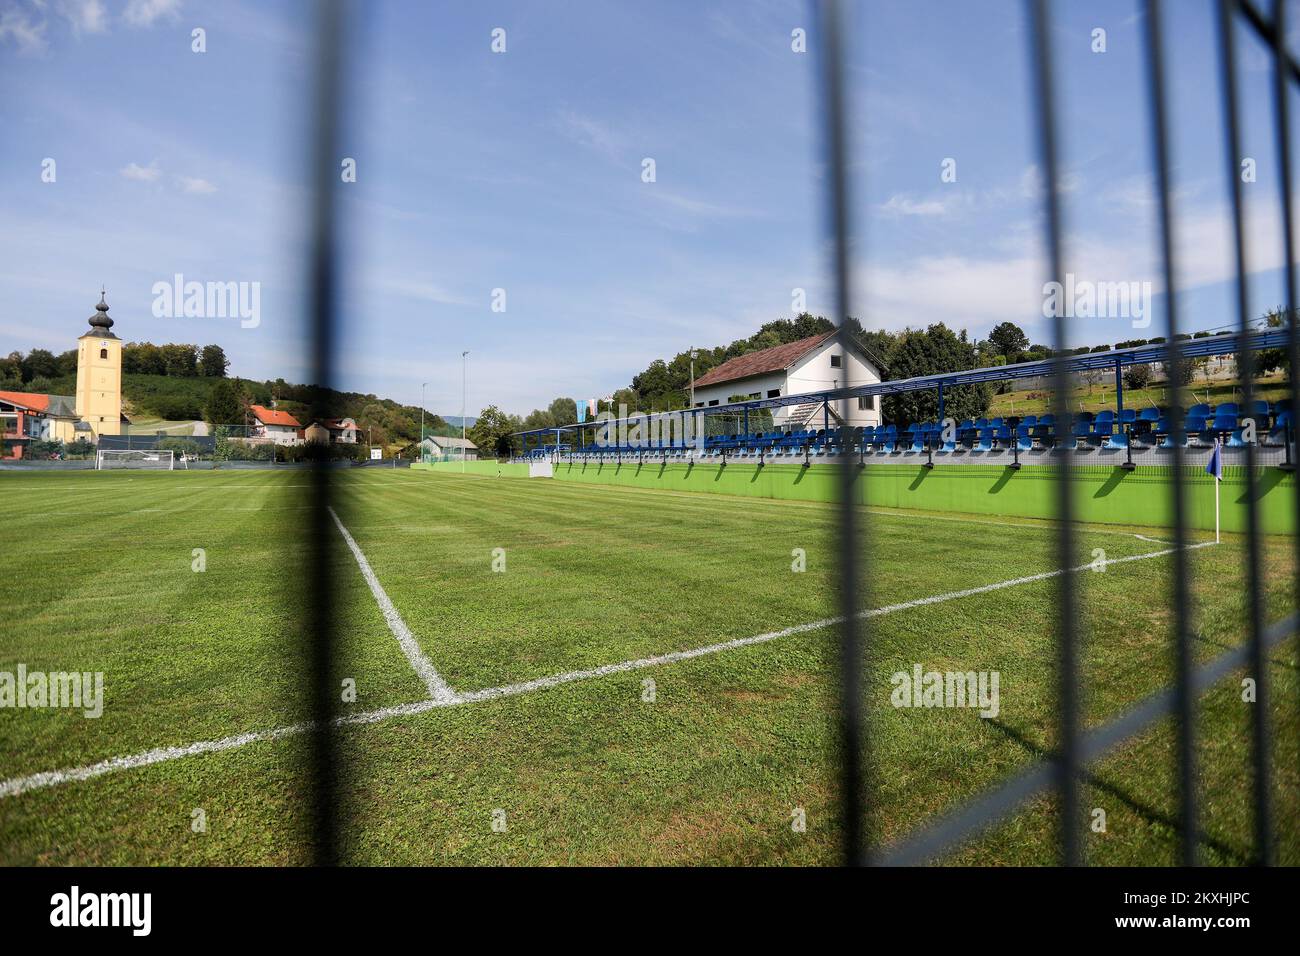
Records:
x=522, y=171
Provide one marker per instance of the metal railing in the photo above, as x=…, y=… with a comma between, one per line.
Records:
x=1064, y=772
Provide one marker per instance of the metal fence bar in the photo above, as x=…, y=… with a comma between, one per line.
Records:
x=990, y=807
x=1067, y=760
x=1227, y=10
x=1271, y=34
x=1281, y=94
x=1176, y=364
x=835, y=144
x=318, y=637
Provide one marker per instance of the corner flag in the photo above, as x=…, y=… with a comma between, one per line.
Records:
x=1215, y=468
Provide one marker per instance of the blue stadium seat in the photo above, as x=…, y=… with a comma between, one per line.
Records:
x=1024, y=441
x=1149, y=415
x=1200, y=410
x=1224, y=422
x=1277, y=435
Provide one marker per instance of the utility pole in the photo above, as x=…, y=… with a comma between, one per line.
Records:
x=692, y=378
x=422, y=384
x=464, y=378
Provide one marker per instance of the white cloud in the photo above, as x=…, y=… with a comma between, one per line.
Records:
x=590, y=133
x=86, y=16
x=28, y=32
x=143, y=13
x=142, y=174
x=900, y=205
x=698, y=207
x=193, y=185
x=419, y=290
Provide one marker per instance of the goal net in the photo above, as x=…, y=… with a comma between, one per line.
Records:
x=107, y=458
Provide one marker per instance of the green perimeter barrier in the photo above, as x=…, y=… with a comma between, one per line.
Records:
x=1103, y=494
x=490, y=468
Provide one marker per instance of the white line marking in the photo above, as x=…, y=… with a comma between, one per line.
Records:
x=438, y=688
x=50, y=778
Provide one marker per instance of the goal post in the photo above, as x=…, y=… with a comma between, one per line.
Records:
x=115, y=458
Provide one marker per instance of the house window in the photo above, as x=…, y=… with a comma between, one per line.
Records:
x=837, y=361
x=103, y=353
x=773, y=393
x=864, y=403
x=755, y=394
x=712, y=403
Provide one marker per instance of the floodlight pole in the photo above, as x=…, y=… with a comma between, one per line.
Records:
x=692, y=378
x=464, y=378
x=422, y=384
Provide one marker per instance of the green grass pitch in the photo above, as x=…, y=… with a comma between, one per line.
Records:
x=98, y=572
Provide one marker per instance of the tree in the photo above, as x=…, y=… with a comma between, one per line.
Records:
x=224, y=405
x=180, y=360
x=143, y=358
x=564, y=411
x=492, y=426
x=11, y=372
x=1137, y=376
x=937, y=349
x=538, y=418
x=40, y=363
x=213, y=362
x=1009, y=340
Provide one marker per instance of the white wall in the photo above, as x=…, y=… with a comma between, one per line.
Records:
x=281, y=434
x=759, y=383
x=812, y=373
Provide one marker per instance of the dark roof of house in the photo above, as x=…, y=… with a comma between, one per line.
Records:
x=775, y=359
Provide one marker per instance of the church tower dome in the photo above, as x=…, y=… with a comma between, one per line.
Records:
x=101, y=322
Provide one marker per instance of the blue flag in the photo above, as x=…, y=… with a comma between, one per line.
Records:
x=581, y=405
x=1215, y=467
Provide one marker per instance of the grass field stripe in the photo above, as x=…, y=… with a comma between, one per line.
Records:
x=438, y=688
x=51, y=778
x=543, y=683
x=37, y=781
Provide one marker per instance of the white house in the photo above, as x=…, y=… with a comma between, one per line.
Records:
x=343, y=431
x=814, y=364
x=441, y=447
x=279, y=427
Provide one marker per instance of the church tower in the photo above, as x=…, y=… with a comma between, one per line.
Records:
x=99, y=374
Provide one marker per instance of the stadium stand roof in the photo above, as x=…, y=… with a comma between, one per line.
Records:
x=1113, y=360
